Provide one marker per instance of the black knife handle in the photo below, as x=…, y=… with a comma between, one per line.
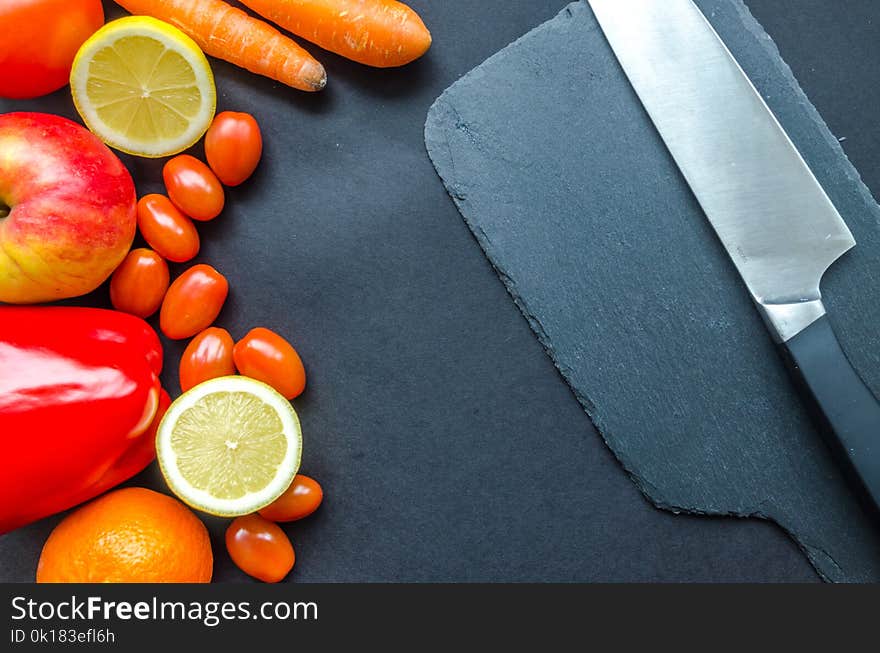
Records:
x=846, y=408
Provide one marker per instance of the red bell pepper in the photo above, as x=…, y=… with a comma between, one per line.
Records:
x=80, y=400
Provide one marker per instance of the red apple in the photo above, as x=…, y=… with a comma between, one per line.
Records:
x=67, y=209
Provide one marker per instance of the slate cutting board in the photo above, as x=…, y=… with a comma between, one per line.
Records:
x=572, y=195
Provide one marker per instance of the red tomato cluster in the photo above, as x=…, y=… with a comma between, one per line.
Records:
x=258, y=545
x=189, y=305
x=140, y=285
x=262, y=355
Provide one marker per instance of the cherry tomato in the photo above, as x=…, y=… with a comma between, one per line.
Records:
x=260, y=548
x=300, y=500
x=193, y=188
x=139, y=283
x=40, y=39
x=207, y=356
x=233, y=146
x=265, y=356
x=166, y=229
x=193, y=302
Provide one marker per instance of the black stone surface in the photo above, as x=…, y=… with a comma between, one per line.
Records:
x=565, y=183
x=449, y=447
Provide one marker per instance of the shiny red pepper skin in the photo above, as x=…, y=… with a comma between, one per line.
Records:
x=79, y=399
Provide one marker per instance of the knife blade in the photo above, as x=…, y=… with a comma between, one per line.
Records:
x=773, y=217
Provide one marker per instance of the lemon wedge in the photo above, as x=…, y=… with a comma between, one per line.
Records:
x=144, y=87
x=229, y=446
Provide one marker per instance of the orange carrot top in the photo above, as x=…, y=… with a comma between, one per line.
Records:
x=381, y=33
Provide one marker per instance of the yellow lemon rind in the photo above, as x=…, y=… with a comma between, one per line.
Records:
x=173, y=39
x=196, y=498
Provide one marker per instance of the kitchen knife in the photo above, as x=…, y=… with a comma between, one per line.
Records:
x=772, y=215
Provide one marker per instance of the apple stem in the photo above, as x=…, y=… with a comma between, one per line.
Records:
x=4, y=210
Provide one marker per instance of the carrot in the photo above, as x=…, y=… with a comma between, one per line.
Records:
x=381, y=33
x=230, y=34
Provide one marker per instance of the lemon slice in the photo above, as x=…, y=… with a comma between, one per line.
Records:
x=229, y=446
x=144, y=87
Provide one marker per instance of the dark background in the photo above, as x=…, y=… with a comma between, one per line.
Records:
x=448, y=446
